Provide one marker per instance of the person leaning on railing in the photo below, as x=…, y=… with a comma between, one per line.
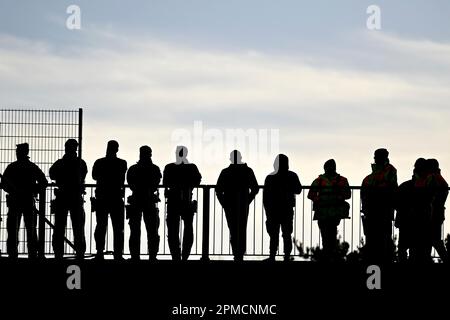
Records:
x=328, y=193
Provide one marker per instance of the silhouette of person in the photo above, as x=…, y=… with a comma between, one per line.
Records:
x=236, y=188
x=180, y=178
x=421, y=204
x=404, y=219
x=22, y=180
x=280, y=188
x=143, y=179
x=438, y=208
x=69, y=174
x=377, y=199
x=328, y=193
x=109, y=172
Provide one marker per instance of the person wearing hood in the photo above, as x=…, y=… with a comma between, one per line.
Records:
x=280, y=189
x=328, y=193
x=378, y=192
x=143, y=179
x=236, y=188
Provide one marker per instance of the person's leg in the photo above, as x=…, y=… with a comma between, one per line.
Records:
x=12, y=225
x=438, y=244
x=100, y=228
x=287, y=228
x=78, y=221
x=273, y=229
x=134, y=221
x=230, y=215
x=30, y=219
x=59, y=232
x=118, y=220
x=188, y=234
x=242, y=232
x=173, y=232
x=151, y=220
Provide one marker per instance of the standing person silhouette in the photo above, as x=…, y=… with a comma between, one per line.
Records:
x=22, y=180
x=143, y=179
x=377, y=198
x=109, y=172
x=328, y=193
x=236, y=188
x=69, y=174
x=280, y=188
x=180, y=178
x=438, y=208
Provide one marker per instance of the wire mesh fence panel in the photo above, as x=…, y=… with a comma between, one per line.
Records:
x=46, y=132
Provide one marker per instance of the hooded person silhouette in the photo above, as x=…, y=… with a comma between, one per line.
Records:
x=328, y=193
x=180, y=178
x=280, y=189
x=22, y=180
x=109, y=172
x=236, y=188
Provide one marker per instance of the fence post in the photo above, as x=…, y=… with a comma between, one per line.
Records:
x=41, y=236
x=205, y=234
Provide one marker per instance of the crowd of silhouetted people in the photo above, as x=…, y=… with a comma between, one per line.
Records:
x=419, y=204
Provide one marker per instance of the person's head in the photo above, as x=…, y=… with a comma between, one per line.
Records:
x=281, y=163
x=112, y=148
x=71, y=146
x=22, y=151
x=235, y=157
x=433, y=166
x=381, y=156
x=330, y=167
x=145, y=153
x=420, y=167
x=181, y=154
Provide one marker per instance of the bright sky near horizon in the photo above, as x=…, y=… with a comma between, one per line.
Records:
x=147, y=71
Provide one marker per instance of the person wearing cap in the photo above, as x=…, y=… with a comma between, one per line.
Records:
x=236, y=188
x=280, y=189
x=180, y=178
x=23, y=181
x=109, y=172
x=143, y=179
x=69, y=174
x=328, y=193
x=377, y=200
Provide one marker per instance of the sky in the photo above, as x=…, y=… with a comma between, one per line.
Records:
x=307, y=79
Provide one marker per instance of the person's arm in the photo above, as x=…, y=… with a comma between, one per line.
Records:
x=54, y=171
x=254, y=188
x=131, y=179
x=95, y=170
x=220, y=189
x=41, y=179
x=345, y=187
x=267, y=192
x=297, y=186
x=313, y=193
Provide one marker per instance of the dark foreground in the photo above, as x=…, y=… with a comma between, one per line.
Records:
x=223, y=289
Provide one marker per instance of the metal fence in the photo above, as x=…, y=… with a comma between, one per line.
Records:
x=46, y=132
x=211, y=235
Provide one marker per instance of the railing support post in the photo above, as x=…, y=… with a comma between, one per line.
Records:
x=205, y=233
x=41, y=236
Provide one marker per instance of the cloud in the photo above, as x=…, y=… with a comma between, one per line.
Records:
x=133, y=85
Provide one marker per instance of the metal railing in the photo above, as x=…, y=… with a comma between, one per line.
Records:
x=211, y=234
